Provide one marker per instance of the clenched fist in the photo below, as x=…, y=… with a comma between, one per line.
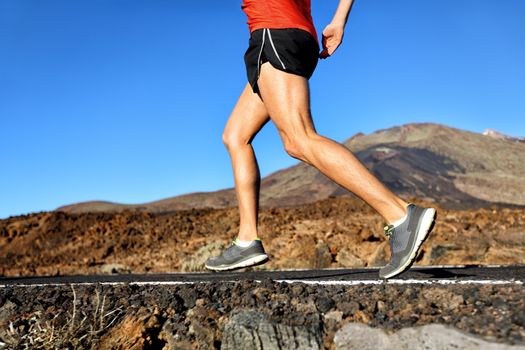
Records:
x=332, y=38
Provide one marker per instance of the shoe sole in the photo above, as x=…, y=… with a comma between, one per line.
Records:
x=253, y=261
x=428, y=221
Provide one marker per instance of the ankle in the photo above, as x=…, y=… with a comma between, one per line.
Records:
x=398, y=215
x=399, y=221
x=247, y=234
x=247, y=237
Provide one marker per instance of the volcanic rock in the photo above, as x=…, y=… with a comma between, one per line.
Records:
x=430, y=337
x=253, y=331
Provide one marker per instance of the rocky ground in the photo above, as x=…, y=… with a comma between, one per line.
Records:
x=336, y=232
x=251, y=315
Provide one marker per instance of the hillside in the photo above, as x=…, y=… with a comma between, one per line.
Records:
x=451, y=167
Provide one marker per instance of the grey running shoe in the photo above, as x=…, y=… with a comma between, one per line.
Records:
x=406, y=239
x=235, y=257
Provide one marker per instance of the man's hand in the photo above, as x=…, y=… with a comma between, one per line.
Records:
x=332, y=38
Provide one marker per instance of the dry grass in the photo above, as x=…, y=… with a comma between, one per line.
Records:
x=84, y=325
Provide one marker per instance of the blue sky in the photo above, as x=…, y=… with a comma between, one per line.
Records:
x=126, y=100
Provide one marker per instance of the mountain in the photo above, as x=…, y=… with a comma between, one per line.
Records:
x=451, y=167
x=500, y=135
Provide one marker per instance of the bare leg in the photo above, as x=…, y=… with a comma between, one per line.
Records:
x=286, y=97
x=247, y=118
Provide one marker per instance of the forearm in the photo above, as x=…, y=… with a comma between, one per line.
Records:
x=341, y=14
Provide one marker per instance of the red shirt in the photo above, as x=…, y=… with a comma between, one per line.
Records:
x=279, y=14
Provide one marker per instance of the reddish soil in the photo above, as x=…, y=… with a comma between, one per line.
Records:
x=336, y=232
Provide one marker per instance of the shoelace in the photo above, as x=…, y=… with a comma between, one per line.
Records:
x=389, y=229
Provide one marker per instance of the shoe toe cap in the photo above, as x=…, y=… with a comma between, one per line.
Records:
x=212, y=261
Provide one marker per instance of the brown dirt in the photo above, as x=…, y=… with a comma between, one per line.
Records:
x=336, y=232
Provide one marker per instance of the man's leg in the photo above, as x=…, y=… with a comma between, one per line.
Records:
x=286, y=97
x=247, y=118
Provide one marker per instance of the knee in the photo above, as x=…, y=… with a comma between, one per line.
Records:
x=233, y=140
x=230, y=140
x=297, y=146
x=293, y=150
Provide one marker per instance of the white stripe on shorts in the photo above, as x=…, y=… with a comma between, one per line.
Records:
x=260, y=52
x=274, y=50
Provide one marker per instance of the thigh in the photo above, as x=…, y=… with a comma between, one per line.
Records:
x=248, y=116
x=286, y=97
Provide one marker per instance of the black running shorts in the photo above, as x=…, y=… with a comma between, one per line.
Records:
x=291, y=50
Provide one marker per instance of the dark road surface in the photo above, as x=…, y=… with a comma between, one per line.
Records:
x=427, y=274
